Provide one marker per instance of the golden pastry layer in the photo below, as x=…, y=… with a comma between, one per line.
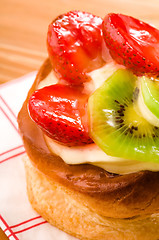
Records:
x=107, y=194
x=63, y=208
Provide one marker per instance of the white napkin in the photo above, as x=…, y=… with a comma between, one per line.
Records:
x=17, y=219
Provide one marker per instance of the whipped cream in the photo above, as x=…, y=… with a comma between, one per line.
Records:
x=91, y=153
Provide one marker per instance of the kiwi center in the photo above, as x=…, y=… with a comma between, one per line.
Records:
x=131, y=122
x=116, y=124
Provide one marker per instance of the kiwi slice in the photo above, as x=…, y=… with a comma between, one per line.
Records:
x=148, y=100
x=116, y=126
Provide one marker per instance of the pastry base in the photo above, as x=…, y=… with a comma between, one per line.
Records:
x=61, y=207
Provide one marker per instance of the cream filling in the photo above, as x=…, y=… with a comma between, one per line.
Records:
x=146, y=113
x=91, y=153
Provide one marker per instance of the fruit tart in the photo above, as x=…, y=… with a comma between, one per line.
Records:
x=90, y=127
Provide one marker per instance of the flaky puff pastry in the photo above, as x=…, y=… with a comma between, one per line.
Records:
x=84, y=200
x=63, y=208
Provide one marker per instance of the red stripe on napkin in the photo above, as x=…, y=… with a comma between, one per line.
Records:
x=29, y=220
x=9, y=120
x=8, y=228
x=8, y=107
x=12, y=156
x=25, y=229
x=10, y=150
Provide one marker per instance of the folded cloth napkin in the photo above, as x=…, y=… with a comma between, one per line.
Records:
x=17, y=219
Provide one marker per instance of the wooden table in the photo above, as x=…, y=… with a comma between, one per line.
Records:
x=23, y=28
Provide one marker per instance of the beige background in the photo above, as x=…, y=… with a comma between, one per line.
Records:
x=23, y=28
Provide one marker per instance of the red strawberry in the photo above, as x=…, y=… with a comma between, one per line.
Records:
x=133, y=43
x=75, y=45
x=60, y=111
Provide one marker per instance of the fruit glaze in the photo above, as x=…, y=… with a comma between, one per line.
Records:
x=100, y=103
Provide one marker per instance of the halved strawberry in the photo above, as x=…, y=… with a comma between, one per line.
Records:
x=60, y=111
x=133, y=43
x=75, y=45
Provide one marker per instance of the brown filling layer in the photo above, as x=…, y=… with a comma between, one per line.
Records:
x=138, y=192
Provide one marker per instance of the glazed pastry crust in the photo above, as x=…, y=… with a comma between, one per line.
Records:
x=106, y=194
x=63, y=208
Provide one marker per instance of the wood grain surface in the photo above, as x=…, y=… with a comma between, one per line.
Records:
x=23, y=28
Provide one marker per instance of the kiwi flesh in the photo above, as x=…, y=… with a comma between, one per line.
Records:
x=148, y=100
x=116, y=125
